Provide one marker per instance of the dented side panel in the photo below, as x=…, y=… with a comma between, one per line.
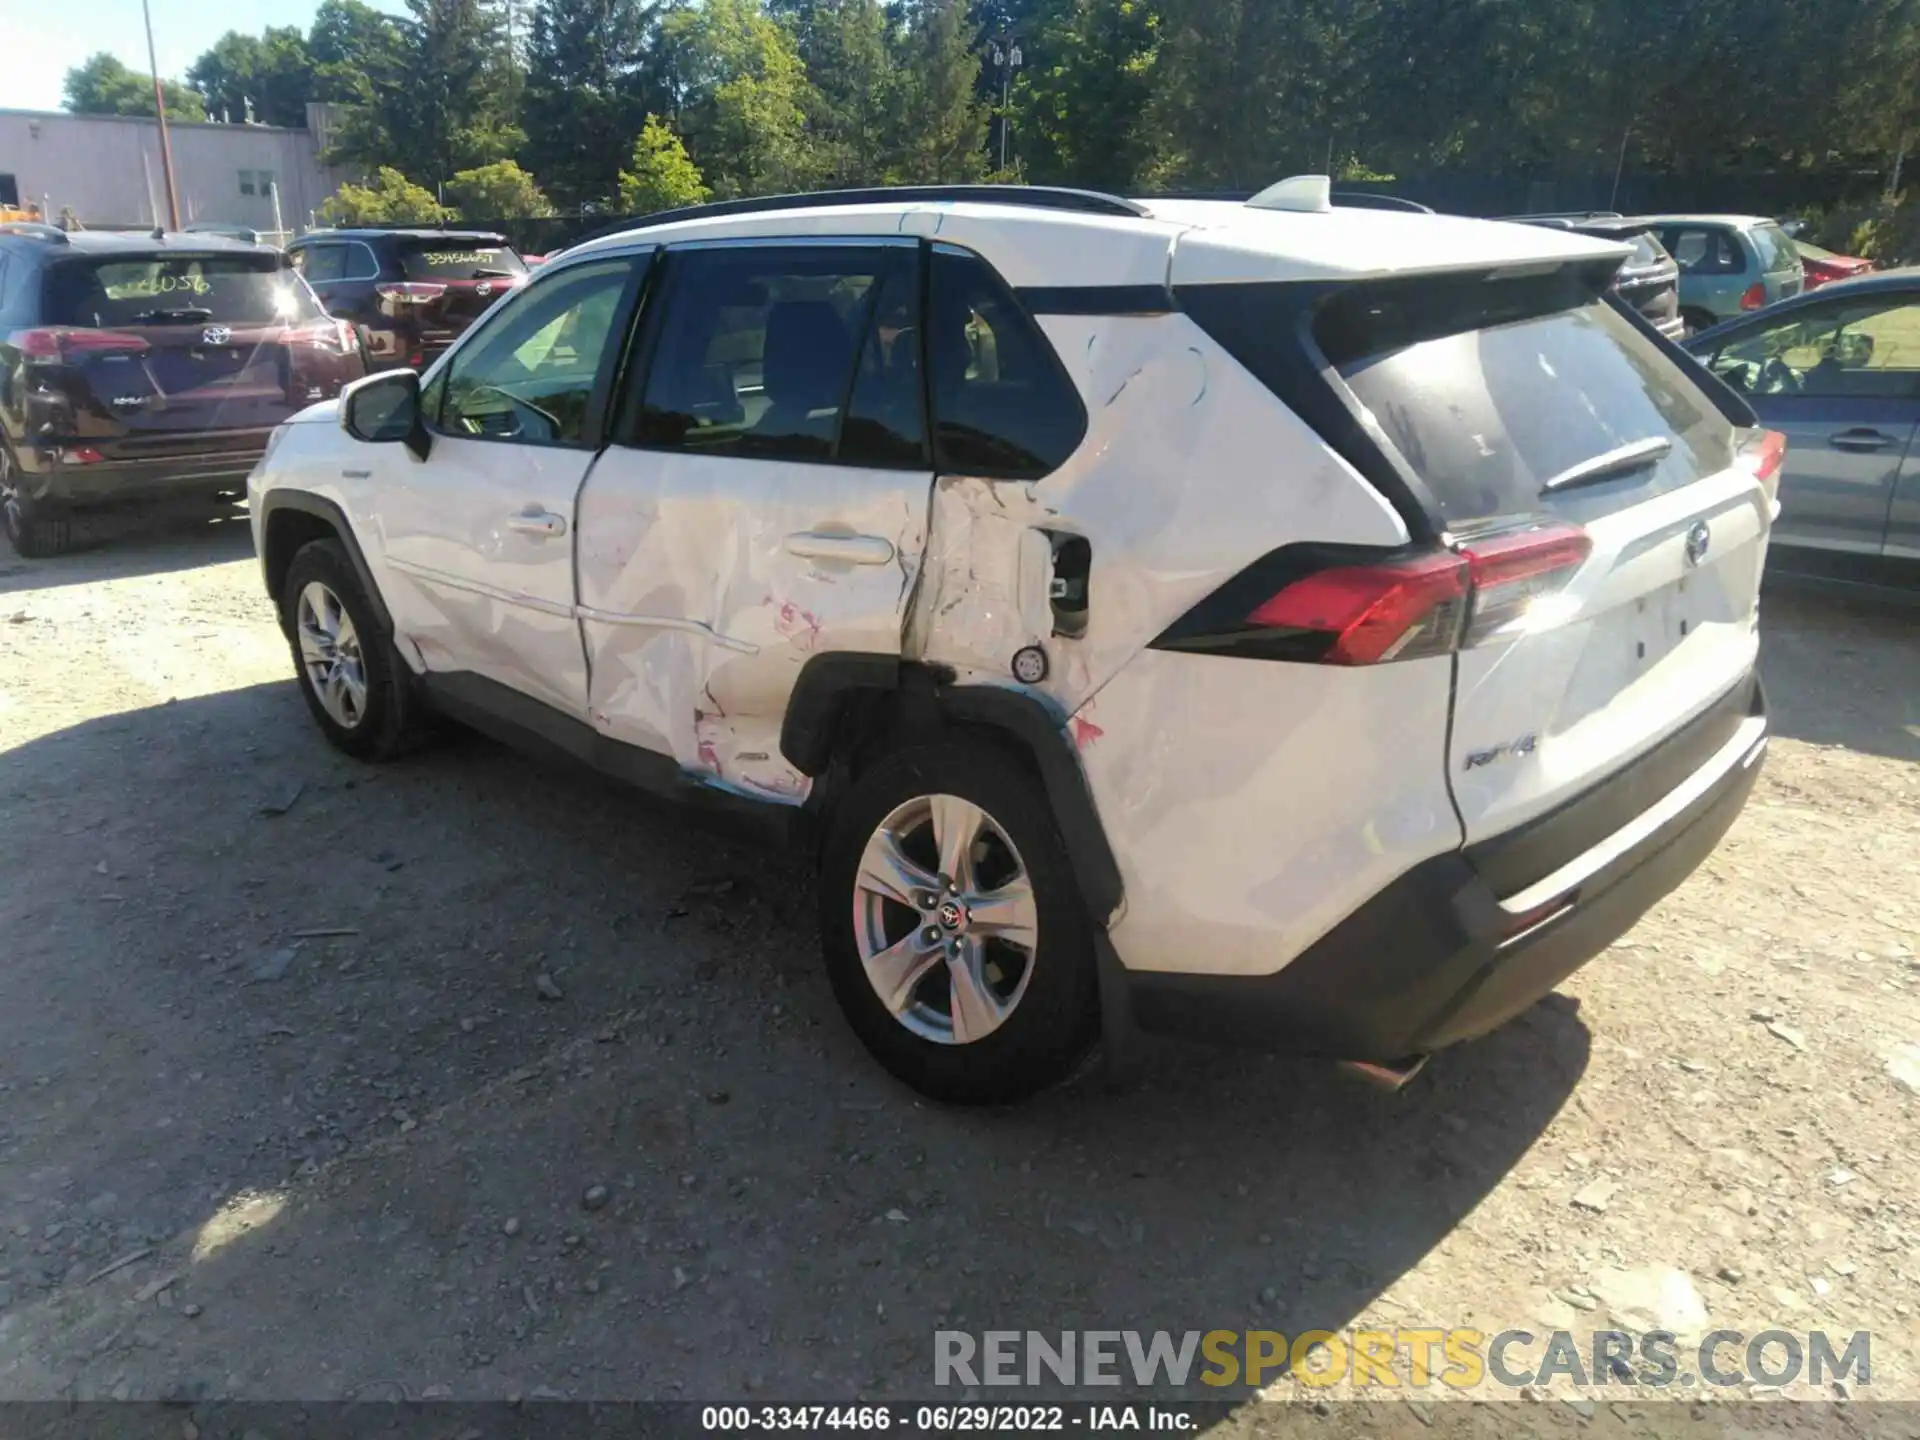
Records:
x=707, y=582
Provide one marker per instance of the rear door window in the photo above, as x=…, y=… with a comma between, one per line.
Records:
x=455, y=259
x=177, y=289
x=1702, y=251
x=1003, y=406
x=1775, y=249
x=321, y=263
x=1488, y=417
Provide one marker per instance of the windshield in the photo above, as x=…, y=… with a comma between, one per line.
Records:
x=178, y=290
x=1776, y=251
x=456, y=259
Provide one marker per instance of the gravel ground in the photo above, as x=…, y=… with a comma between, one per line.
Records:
x=568, y=1110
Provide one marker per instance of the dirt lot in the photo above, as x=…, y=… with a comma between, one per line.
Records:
x=359, y=1165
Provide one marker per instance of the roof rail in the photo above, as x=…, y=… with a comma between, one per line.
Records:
x=1370, y=200
x=37, y=229
x=1041, y=197
x=1572, y=215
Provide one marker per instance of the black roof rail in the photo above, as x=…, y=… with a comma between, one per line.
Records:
x=1573, y=216
x=1040, y=197
x=36, y=229
x=1368, y=200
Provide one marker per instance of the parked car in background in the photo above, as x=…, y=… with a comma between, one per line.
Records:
x=139, y=366
x=1838, y=372
x=1648, y=280
x=232, y=232
x=1361, y=743
x=1823, y=267
x=411, y=292
x=534, y=262
x=1730, y=265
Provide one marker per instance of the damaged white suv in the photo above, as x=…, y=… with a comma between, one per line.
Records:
x=1321, y=627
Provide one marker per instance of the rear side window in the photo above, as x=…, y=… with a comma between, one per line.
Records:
x=453, y=259
x=1488, y=416
x=321, y=262
x=1002, y=405
x=1705, y=252
x=177, y=290
x=1775, y=249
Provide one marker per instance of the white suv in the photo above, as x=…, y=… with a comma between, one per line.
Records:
x=1322, y=627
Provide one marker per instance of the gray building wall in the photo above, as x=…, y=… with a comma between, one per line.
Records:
x=107, y=168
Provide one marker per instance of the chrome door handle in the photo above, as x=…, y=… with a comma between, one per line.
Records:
x=849, y=549
x=543, y=523
x=1859, y=439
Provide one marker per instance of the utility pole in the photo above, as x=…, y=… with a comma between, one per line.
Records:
x=1006, y=54
x=160, y=113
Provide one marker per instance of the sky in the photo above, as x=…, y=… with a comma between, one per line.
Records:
x=43, y=39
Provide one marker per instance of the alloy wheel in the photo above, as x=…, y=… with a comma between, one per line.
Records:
x=330, y=654
x=945, y=919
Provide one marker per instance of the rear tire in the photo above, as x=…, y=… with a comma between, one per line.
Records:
x=991, y=984
x=34, y=532
x=358, y=688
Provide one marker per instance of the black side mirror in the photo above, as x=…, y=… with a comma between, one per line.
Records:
x=385, y=410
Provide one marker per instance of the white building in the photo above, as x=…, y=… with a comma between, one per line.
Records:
x=106, y=169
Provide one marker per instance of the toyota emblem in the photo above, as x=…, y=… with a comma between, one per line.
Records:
x=215, y=335
x=483, y=289
x=1699, y=537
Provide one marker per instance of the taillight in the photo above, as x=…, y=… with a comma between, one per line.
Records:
x=1762, y=456
x=1405, y=607
x=1755, y=298
x=58, y=343
x=328, y=334
x=410, y=292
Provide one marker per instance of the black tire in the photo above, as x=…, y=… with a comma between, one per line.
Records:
x=391, y=722
x=1698, y=320
x=34, y=532
x=1055, y=1021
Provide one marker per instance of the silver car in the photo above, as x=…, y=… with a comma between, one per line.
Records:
x=1838, y=372
x=1730, y=265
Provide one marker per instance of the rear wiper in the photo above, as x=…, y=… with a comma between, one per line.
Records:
x=482, y=274
x=193, y=316
x=1635, y=455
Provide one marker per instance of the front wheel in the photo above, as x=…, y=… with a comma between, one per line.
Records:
x=953, y=931
x=354, y=681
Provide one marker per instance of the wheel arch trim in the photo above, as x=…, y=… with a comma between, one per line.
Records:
x=319, y=507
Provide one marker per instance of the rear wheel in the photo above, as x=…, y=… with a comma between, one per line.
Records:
x=355, y=683
x=32, y=530
x=952, y=929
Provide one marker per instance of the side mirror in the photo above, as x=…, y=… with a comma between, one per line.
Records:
x=385, y=410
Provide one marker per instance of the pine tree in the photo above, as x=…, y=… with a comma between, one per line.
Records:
x=662, y=175
x=854, y=122
x=745, y=98
x=943, y=122
x=591, y=81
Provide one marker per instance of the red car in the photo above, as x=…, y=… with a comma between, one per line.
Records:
x=1823, y=267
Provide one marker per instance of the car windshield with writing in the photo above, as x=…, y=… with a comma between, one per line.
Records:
x=178, y=290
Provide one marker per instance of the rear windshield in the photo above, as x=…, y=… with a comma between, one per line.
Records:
x=452, y=259
x=1775, y=249
x=178, y=290
x=1487, y=417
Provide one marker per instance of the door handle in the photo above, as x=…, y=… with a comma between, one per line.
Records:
x=1861, y=438
x=849, y=549
x=542, y=523
x=356, y=474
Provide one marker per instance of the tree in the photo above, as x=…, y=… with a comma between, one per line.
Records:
x=437, y=104
x=500, y=191
x=854, y=120
x=392, y=199
x=592, y=77
x=663, y=175
x=943, y=120
x=745, y=98
x=103, y=86
x=348, y=42
x=268, y=79
x=1080, y=109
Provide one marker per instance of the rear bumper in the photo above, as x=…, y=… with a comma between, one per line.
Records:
x=51, y=482
x=1436, y=958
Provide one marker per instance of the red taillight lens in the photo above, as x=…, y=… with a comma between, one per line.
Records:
x=327, y=334
x=1755, y=298
x=411, y=292
x=1762, y=456
x=81, y=455
x=1373, y=613
x=56, y=343
x=1426, y=604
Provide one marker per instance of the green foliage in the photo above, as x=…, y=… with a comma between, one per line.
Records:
x=1089, y=79
x=853, y=108
x=266, y=78
x=500, y=191
x=349, y=41
x=593, y=74
x=942, y=121
x=663, y=175
x=745, y=98
x=103, y=86
x=392, y=199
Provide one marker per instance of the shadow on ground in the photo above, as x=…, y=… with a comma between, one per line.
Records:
x=365, y=1157
x=121, y=545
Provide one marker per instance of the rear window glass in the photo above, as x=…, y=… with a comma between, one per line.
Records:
x=459, y=260
x=1487, y=417
x=178, y=290
x=1775, y=249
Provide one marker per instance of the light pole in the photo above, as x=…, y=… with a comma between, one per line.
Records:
x=160, y=113
x=1006, y=55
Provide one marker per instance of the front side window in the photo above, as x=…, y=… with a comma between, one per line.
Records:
x=530, y=376
x=242, y=289
x=1002, y=405
x=1857, y=349
x=756, y=349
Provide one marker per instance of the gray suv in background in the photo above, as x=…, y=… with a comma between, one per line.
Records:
x=1730, y=265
